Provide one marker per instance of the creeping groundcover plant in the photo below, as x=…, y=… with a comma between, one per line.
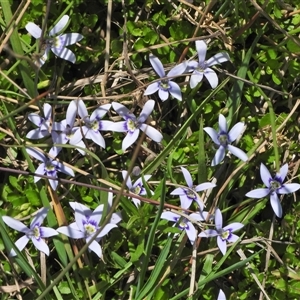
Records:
x=129, y=168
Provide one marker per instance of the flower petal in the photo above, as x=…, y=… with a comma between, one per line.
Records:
x=213, y=134
x=170, y=216
x=122, y=110
x=196, y=77
x=59, y=26
x=20, y=244
x=36, y=154
x=208, y=233
x=65, y=169
x=191, y=232
x=265, y=175
x=47, y=232
x=288, y=188
x=80, y=108
x=53, y=183
x=163, y=94
x=234, y=226
x=35, y=119
x=177, y=70
x=197, y=217
x=119, y=126
x=64, y=53
x=152, y=133
x=96, y=215
x=238, y=152
x=178, y=191
x=100, y=112
x=212, y=77
x=187, y=177
x=128, y=181
x=96, y=248
x=235, y=131
x=222, y=245
x=276, y=205
x=221, y=295
x=219, y=156
x=146, y=111
x=258, y=193
x=283, y=172
x=71, y=38
x=201, y=48
x=41, y=245
x=34, y=30
x=71, y=232
x=39, y=217
x=97, y=137
x=218, y=59
x=157, y=65
x=106, y=229
x=204, y=186
x=152, y=88
x=185, y=201
x=218, y=219
x=15, y=224
x=40, y=170
x=175, y=90
x=222, y=124
x=233, y=238
x=129, y=139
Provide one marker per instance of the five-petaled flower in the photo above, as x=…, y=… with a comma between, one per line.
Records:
x=223, y=139
x=274, y=186
x=133, y=125
x=86, y=226
x=190, y=194
x=56, y=43
x=166, y=85
x=36, y=232
x=65, y=131
x=202, y=66
x=225, y=234
x=93, y=124
x=137, y=187
x=43, y=123
x=49, y=167
x=185, y=223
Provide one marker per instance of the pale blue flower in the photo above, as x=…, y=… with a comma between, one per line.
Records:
x=133, y=125
x=36, y=233
x=223, y=235
x=274, y=186
x=56, y=42
x=190, y=194
x=86, y=226
x=94, y=124
x=65, y=131
x=202, y=66
x=49, y=167
x=185, y=223
x=166, y=85
x=137, y=187
x=223, y=140
x=43, y=123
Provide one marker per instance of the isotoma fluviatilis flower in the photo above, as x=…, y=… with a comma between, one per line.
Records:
x=133, y=125
x=190, y=194
x=49, y=167
x=202, y=68
x=185, y=223
x=86, y=226
x=274, y=186
x=221, y=295
x=56, y=42
x=36, y=232
x=93, y=124
x=166, y=85
x=65, y=131
x=43, y=123
x=223, y=234
x=223, y=140
x=137, y=187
